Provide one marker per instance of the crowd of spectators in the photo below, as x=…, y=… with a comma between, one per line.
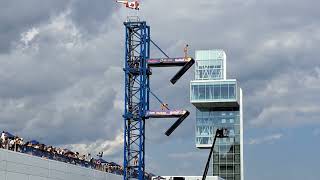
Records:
x=15, y=143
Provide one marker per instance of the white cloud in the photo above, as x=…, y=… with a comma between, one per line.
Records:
x=287, y=116
x=27, y=37
x=266, y=139
x=108, y=147
x=288, y=100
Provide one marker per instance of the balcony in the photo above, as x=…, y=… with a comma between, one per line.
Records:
x=214, y=94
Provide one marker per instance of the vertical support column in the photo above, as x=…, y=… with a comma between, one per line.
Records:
x=136, y=98
x=241, y=136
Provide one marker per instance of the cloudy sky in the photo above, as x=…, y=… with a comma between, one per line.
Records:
x=61, y=79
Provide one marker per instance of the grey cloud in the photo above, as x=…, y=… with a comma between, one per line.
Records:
x=264, y=41
x=53, y=90
x=288, y=100
x=90, y=15
x=67, y=84
x=18, y=16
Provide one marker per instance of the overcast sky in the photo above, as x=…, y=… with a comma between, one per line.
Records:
x=61, y=78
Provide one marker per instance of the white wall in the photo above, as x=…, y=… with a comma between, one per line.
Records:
x=18, y=166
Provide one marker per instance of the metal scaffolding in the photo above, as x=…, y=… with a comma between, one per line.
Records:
x=137, y=92
x=137, y=52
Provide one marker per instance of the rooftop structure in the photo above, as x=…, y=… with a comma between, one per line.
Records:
x=218, y=103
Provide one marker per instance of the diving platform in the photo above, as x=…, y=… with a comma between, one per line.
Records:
x=166, y=114
x=171, y=62
x=180, y=114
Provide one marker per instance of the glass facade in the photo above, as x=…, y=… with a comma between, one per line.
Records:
x=208, y=70
x=207, y=122
x=211, y=93
x=226, y=156
x=210, y=65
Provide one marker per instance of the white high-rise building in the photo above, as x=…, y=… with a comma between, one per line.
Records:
x=219, y=105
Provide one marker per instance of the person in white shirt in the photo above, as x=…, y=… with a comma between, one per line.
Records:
x=88, y=157
x=3, y=136
x=4, y=140
x=11, y=144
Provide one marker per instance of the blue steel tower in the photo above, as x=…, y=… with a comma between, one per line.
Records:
x=137, y=90
x=137, y=52
x=218, y=103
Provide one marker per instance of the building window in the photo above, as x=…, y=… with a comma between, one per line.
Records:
x=209, y=69
x=232, y=91
x=216, y=91
x=224, y=91
x=237, y=158
x=237, y=177
x=216, y=169
x=202, y=92
x=237, y=148
x=231, y=121
x=213, y=91
x=237, y=168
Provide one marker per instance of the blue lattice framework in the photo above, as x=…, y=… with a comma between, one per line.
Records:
x=137, y=90
x=137, y=74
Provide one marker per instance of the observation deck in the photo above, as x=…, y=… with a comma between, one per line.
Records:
x=215, y=94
